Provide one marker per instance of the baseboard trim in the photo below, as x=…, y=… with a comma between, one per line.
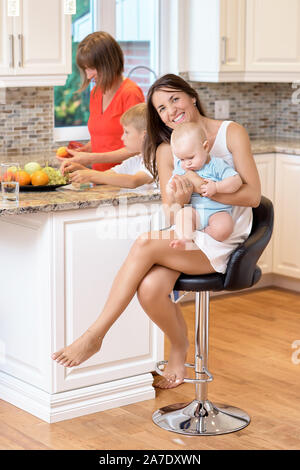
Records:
x=74, y=403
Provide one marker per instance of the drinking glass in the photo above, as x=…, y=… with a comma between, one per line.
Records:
x=9, y=184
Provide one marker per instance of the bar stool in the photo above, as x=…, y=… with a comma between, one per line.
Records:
x=201, y=416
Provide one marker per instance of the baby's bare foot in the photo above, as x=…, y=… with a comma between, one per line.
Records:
x=175, y=370
x=79, y=351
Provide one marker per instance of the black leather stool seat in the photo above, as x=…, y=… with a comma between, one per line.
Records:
x=203, y=282
x=207, y=282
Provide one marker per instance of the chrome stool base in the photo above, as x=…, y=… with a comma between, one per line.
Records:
x=199, y=418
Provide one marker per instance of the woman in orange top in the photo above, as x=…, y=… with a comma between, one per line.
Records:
x=100, y=58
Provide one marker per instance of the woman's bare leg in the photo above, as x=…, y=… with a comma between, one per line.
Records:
x=153, y=294
x=145, y=253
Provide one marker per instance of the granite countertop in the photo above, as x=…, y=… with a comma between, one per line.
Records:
x=68, y=199
x=272, y=145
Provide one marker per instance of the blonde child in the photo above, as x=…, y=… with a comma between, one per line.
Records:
x=189, y=145
x=131, y=173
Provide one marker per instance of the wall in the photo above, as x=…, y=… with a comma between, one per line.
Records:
x=265, y=109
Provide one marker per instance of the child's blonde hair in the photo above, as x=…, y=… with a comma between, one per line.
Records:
x=186, y=130
x=136, y=116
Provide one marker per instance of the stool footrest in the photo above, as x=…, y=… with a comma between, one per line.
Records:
x=186, y=379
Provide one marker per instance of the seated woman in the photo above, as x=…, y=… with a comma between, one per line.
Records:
x=152, y=266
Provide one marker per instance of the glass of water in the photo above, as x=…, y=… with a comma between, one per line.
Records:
x=9, y=184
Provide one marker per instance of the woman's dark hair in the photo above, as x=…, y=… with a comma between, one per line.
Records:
x=157, y=131
x=100, y=51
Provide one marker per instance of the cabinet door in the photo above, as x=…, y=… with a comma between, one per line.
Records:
x=273, y=36
x=286, y=258
x=232, y=35
x=266, y=169
x=91, y=246
x=42, y=38
x=6, y=41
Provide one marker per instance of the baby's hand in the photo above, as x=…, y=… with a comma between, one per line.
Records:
x=209, y=188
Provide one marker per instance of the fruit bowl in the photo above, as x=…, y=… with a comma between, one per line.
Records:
x=47, y=187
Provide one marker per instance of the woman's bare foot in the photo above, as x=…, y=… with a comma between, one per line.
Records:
x=79, y=351
x=175, y=370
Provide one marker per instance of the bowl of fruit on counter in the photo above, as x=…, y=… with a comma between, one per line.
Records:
x=34, y=177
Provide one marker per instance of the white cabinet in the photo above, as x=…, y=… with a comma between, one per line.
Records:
x=241, y=40
x=6, y=40
x=273, y=36
x=232, y=35
x=35, y=47
x=286, y=258
x=266, y=168
x=214, y=39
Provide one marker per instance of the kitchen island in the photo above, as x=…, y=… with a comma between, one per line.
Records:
x=60, y=252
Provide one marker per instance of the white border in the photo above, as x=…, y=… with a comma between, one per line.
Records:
x=61, y=134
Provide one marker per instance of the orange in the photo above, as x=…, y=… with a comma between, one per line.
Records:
x=23, y=177
x=62, y=152
x=8, y=176
x=39, y=178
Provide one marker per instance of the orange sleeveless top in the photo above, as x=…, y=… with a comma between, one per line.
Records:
x=104, y=127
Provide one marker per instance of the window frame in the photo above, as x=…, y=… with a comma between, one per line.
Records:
x=104, y=15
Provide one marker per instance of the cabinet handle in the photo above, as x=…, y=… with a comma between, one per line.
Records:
x=224, y=49
x=20, y=37
x=11, y=50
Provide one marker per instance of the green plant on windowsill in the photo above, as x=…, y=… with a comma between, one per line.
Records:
x=71, y=108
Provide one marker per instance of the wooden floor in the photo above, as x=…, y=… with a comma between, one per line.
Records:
x=251, y=338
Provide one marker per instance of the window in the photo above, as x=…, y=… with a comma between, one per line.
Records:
x=134, y=24
x=137, y=34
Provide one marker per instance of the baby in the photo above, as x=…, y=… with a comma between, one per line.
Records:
x=189, y=145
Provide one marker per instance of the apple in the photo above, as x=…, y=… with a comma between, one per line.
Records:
x=73, y=145
x=13, y=169
x=31, y=167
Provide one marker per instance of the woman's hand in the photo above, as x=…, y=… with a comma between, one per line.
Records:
x=69, y=166
x=84, y=158
x=82, y=176
x=182, y=189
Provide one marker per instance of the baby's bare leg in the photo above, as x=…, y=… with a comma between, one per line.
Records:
x=220, y=226
x=187, y=221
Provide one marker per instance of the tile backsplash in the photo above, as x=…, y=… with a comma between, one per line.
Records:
x=27, y=120
x=265, y=109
